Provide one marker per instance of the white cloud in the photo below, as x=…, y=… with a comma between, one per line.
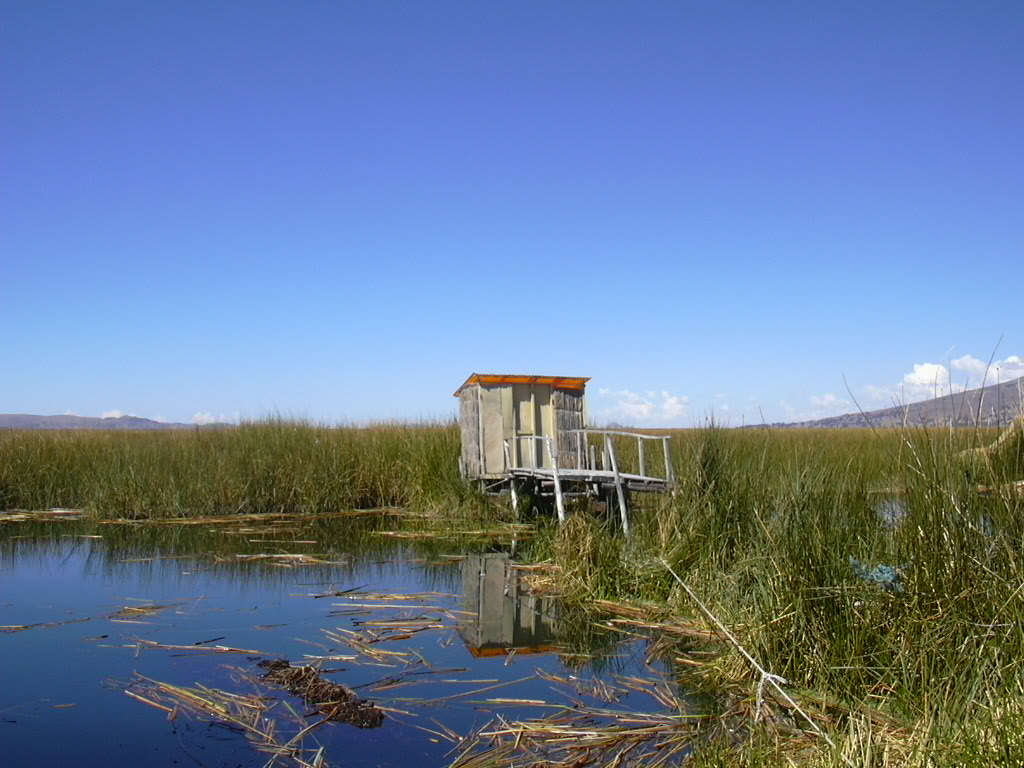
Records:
x=817, y=407
x=925, y=381
x=202, y=417
x=673, y=406
x=650, y=408
x=979, y=372
x=970, y=365
x=69, y=412
x=877, y=393
x=115, y=414
x=928, y=380
x=829, y=405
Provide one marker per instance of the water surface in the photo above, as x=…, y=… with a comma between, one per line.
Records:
x=444, y=637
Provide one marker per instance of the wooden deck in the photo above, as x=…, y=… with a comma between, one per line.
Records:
x=639, y=483
x=584, y=470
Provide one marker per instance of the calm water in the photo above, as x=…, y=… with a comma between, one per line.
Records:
x=462, y=628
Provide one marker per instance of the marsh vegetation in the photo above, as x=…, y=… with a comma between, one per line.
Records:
x=864, y=568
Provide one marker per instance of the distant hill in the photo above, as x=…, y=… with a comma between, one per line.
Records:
x=28, y=421
x=993, y=406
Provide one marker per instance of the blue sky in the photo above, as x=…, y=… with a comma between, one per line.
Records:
x=338, y=210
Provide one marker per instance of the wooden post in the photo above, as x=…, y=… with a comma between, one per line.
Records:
x=481, y=453
x=536, y=453
x=623, y=514
x=559, y=502
x=640, y=450
x=669, y=472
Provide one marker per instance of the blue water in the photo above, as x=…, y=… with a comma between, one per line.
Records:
x=62, y=699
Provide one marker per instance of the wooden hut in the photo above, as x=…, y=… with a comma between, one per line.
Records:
x=507, y=419
x=529, y=433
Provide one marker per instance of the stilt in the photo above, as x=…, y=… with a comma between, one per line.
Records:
x=549, y=480
x=623, y=511
x=559, y=501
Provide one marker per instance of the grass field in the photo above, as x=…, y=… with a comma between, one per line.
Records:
x=863, y=567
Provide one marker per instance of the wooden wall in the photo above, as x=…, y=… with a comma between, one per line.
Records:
x=489, y=415
x=469, y=425
x=570, y=413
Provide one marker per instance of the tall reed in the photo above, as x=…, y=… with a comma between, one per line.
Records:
x=788, y=536
x=273, y=466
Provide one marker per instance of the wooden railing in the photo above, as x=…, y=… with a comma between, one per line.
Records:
x=584, y=457
x=585, y=453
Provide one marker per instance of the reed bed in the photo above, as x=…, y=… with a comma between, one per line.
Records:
x=879, y=571
x=261, y=467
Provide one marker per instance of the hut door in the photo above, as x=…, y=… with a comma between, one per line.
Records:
x=532, y=414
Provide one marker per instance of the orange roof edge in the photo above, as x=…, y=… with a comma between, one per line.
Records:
x=505, y=650
x=575, y=383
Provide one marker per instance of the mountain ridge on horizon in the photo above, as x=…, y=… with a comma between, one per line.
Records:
x=993, y=406
x=70, y=421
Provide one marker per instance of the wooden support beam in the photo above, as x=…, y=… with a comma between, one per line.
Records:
x=623, y=512
x=559, y=501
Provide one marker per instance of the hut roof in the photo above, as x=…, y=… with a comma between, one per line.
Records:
x=573, y=383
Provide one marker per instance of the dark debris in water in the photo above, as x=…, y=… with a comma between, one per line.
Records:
x=334, y=701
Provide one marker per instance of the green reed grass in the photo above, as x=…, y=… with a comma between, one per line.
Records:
x=274, y=466
x=762, y=526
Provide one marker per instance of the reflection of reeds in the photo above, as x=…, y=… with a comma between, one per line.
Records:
x=159, y=551
x=40, y=515
x=39, y=625
x=142, y=608
x=139, y=644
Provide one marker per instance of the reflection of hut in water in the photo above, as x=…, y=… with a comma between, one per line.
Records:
x=505, y=619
